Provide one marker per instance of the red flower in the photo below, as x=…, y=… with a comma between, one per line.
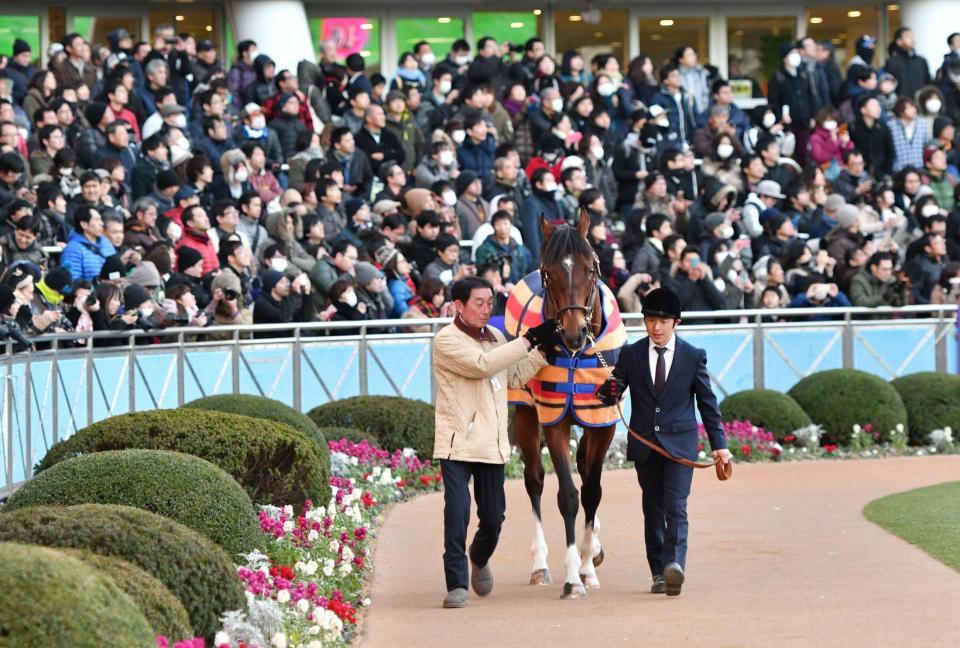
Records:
x=401, y=483
x=789, y=438
x=830, y=448
x=282, y=571
x=426, y=480
x=746, y=450
x=367, y=500
x=699, y=447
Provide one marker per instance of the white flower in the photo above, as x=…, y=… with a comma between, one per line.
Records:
x=377, y=470
x=221, y=638
x=312, y=535
x=335, y=546
x=279, y=640
x=314, y=629
x=303, y=605
x=370, y=478
x=347, y=554
x=409, y=452
x=288, y=526
x=310, y=568
x=899, y=427
x=288, y=510
x=345, y=569
x=283, y=596
x=367, y=602
x=386, y=478
x=315, y=643
x=702, y=454
x=328, y=567
x=856, y=428
x=354, y=461
x=545, y=451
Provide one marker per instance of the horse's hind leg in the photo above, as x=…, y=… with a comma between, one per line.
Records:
x=558, y=439
x=528, y=440
x=590, y=456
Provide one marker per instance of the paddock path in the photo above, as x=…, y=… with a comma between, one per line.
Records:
x=779, y=556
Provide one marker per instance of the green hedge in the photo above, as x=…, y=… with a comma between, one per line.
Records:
x=775, y=412
x=350, y=434
x=264, y=408
x=182, y=487
x=933, y=402
x=163, y=611
x=194, y=569
x=840, y=398
x=395, y=422
x=274, y=463
x=51, y=599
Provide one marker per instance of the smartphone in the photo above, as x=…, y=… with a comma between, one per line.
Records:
x=785, y=111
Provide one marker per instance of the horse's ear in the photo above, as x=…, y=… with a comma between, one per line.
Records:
x=546, y=227
x=584, y=223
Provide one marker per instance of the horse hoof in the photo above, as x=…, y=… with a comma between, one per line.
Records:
x=590, y=581
x=598, y=559
x=573, y=591
x=541, y=577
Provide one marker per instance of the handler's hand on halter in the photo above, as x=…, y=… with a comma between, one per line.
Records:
x=610, y=392
x=544, y=336
x=723, y=455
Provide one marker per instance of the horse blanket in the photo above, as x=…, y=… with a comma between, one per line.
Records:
x=569, y=382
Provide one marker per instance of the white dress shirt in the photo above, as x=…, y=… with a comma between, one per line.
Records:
x=667, y=358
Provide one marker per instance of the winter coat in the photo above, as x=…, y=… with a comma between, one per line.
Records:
x=83, y=258
x=911, y=71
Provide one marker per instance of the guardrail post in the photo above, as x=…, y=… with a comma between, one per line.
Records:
x=758, y=365
x=297, y=375
x=180, y=377
x=89, y=381
x=8, y=414
x=235, y=363
x=28, y=468
x=364, y=385
x=54, y=394
x=847, y=337
x=131, y=375
x=941, y=331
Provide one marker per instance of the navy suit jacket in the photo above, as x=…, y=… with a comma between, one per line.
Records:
x=670, y=420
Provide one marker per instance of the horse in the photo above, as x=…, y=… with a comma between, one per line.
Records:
x=567, y=287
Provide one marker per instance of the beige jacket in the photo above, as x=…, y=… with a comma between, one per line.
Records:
x=472, y=378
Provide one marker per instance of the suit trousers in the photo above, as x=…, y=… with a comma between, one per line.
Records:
x=666, y=486
x=491, y=506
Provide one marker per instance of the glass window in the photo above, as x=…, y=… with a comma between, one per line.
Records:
x=753, y=47
x=842, y=26
x=199, y=23
x=439, y=32
x=24, y=27
x=592, y=32
x=513, y=26
x=94, y=29
x=351, y=34
x=660, y=38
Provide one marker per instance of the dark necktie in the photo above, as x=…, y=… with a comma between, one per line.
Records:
x=661, y=375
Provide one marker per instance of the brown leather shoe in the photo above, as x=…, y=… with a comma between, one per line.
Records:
x=673, y=579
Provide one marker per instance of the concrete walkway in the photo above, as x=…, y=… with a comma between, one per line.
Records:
x=779, y=556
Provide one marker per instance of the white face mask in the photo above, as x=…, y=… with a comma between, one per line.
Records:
x=174, y=232
x=183, y=143
x=461, y=60
x=794, y=60
x=445, y=86
x=350, y=298
x=253, y=54
x=933, y=105
x=429, y=58
x=258, y=121
x=446, y=158
x=279, y=264
x=180, y=121
x=769, y=119
x=929, y=211
x=241, y=174
x=449, y=198
x=606, y=89
x=597, y=152
x=662, y=123
x=556, y=104
x=724, y=151
x=458, y=136
x=830, y=125
x=726, y=232
x=146, y=312
x=549, y=186
x=66, y=172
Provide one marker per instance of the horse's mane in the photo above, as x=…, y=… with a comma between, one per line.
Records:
x=565, y=241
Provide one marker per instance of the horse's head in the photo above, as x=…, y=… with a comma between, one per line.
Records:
x=569, y=271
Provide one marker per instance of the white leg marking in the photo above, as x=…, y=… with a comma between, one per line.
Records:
x=589, y=547
x=538, y=548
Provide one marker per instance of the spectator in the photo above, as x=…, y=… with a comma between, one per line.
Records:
x=542, y=204
x=355, y=165
x=909, y=134
x=846, y=234
x=926, y=268
x=500, y=247
x=286, y=123
x=477, y=151
x=371, y=289
x=936, y=177
x=471, y=209
x=196, y=223
x=440, y=165
x=829, y=142
x=693, y=284
x=282, y=301
x=22, y=244
x=791, y=95
x=446, y=266
x=767, y=195
x=876, y=285
x=399, y=283
x=910, y=70
x=242, y=74
x=87, y=247
x=349, y=308
x=872, y=138
x=338, y=265
x=378, y=144
x=854, y=183
x=948, y=288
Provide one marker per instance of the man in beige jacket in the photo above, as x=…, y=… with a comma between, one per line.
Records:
x=474, y=366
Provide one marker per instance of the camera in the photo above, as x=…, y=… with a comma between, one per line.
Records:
x=516, y=49
x=91, y=300
x=12, y=331
x=230, y=294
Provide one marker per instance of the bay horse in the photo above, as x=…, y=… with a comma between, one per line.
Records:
x=567, y=287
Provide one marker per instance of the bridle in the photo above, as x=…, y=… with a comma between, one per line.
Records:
x=593, y=274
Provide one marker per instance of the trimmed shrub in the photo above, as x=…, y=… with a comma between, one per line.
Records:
x=933, y=402
x=194, y=569
x=841, y=398
x=163, y=611
x=182, y=487
x=274, y=463
x=775, y=412
x=51, y=599
x=395, y=422
x=350, y=434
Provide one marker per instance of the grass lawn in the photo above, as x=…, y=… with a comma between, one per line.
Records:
x=927, y=517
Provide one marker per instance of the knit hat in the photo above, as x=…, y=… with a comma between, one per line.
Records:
x=59, y=279
x=94, y=112
x=713, y=220
x=20, y=46
x=227, y=280
x=365, y=273
x=353, y=205
x=269, y=279
x=775, y=221
x=167, y=179
x=185, y=192
x=145, y=274
x=834, y=202
x=767, y=214
x=6, y=298
x=112, y=268
x=395, y=94
x=134, y=295
x=187, y=257
x=464, y=180
x=785, y=48
x=385, y=255
x=205, y=45
x=284, y=98
x=847, y=216
x=18, y=278
x=941, y=122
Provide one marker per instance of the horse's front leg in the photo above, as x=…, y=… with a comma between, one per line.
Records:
x=590, y=456
x=527, y=427
x=558, y=439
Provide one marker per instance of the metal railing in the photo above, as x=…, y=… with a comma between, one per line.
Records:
x=51, y=393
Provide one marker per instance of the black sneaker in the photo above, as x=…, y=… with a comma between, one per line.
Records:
x=658, y=587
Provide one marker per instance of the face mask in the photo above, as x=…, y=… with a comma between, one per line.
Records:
x=350, y=298
x=183, y=143
x=146, y=312
x=458, y=136
x=259, y=122
x=933, y=105
x=929, y=211
x=662, y=123
x=726, y=232
x=66, y=172
x=180, y=121
x=253, y=54
x=279, y=264
x=429, y=58
x=174, y=232
x=724, y=151
x=830, y=125
x=461, y=60
x=241, y=175
x=794, y=60
x=445, y=86
x=550, y=186
x=606, y=89
x=597, y=152
x=449, y=198
x=446, y=158
x=556, y=104
x=769, y=120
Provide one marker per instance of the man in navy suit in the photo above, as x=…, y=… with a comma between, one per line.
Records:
x=664, y=374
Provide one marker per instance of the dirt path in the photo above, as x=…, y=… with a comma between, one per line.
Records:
x=779, y=556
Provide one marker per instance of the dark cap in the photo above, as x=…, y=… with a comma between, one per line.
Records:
x=661, y=302
x=94, y=112
x=269, y=279
x=205, y=45
x=134, y=295
x=167, y=179
x=428, y=217
x=187, y=257
x=113, y=268
x=59, y=279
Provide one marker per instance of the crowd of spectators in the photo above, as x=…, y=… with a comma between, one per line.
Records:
x=146, y=185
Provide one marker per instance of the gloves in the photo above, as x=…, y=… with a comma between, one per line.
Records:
x=544, y=336
x=611, y=391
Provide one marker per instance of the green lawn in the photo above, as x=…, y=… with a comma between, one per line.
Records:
x=927, y=517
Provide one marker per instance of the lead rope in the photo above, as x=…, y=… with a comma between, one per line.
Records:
x=724, y=470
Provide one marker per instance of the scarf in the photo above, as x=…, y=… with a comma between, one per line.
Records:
x=512, y=106
x=51, y=295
